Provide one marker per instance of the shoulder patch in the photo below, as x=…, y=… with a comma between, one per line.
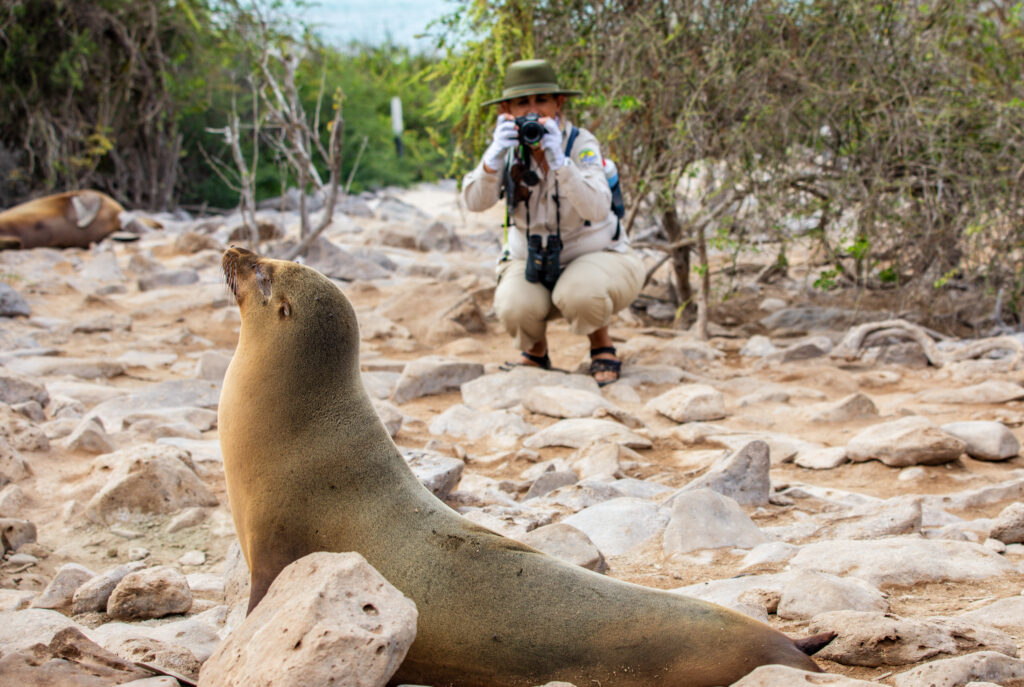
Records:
x=588, y=156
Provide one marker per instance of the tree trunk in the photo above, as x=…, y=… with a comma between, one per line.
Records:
x=680, y=257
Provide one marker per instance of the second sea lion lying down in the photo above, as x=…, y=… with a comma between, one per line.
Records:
x=310, y=467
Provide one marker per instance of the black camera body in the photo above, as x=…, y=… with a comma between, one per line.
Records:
x=543, y=263
x=530, y=130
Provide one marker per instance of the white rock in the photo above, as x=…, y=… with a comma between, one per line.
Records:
x=329, y=617
x=808, y=593
x=690, y=403
x=61, y=590
x=875, y=639
x=434, y=375
x=150, y=593
x=769, y=552
x=1006, y=614
x=704, y=519
x=985, y=440
x=599, y=461
x=899, y=515
x=1009, y=525
x=93, y=594
x=911, y=440
x=89, y=437
x=147, y=478
x=19, y=630
x=567, y=543
x=784, y=676
x=620, y=525
x=506, y=389
x=822, y=459
x=562, y=402
x=437, y=472
x=192, y=558
x=758, y=346
x=904, y=560
x=503, y=428
x=576, y=433
x=742, y=476
x=991, y=391
x=990, y=666
x=853, y=407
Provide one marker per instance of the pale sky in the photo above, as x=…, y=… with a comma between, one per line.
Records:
x=371, y=21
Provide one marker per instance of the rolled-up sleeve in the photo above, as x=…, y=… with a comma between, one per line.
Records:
x=583, y=181
x=480, y=188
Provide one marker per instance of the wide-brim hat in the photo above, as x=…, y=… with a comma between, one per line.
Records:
x=530, y=77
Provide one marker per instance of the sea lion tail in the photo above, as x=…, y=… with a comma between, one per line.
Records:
x=815, y=643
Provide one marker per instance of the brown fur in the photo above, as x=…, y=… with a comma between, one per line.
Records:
x=59, y=221
x=310, y=467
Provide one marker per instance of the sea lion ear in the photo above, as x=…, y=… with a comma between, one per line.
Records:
x=285, y=310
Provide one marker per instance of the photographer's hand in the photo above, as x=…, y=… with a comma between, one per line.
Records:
x=552, y=143
x=505, y=136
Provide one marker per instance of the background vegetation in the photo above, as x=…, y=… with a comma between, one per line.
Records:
x=118, y=95
x=889, y=132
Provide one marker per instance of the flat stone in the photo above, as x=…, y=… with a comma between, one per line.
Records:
x=578, y=432
x=808, y=594
x=704, y=519
x=620, y=525
x=567, y=543
x=991, y=441
x=434, y=375
x=873, y=639
x=988, y=666
x=506, y=389
x=690, y=403
x=1009, y=525
x=742, y=476
x=903, y=560
x=911, y=440
x=784, y=676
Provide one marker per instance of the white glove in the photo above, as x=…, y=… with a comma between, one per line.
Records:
x=551, y=142
x=505, y=136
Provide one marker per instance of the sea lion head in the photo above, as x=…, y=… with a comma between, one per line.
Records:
x=293, y=317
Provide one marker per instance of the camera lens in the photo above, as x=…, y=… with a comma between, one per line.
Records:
x=530, y=130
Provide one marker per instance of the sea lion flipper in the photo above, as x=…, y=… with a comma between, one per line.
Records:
x=86, y=207
x=815, y=643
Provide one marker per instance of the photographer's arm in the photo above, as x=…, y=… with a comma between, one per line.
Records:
x=582, y=181
x=480, y=187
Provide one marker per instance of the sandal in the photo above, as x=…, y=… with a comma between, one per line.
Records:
x=604, y=364
x=541, y=361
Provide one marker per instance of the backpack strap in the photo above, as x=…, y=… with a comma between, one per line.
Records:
x=572, y=139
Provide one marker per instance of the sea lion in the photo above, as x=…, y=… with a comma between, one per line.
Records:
x=310, y=467
x=67, y=220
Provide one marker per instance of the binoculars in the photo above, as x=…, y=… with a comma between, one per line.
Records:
x=542, y=262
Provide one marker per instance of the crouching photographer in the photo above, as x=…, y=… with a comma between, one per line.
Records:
x=565, y=253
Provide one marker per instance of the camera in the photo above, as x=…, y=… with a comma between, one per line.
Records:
x=530, y=130
x=543, y=263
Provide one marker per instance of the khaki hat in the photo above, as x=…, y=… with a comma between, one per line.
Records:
x=530, y=77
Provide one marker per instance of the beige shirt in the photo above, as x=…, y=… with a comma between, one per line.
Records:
x=586, y=219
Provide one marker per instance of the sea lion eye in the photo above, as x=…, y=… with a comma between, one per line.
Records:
x=285, y=310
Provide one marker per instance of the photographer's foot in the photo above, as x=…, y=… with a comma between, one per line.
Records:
x=605, y=368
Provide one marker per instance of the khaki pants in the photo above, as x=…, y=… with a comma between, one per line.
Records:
x=591, y=289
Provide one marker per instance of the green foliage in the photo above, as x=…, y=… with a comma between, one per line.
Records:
x=826, y=280
x=118, y=95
